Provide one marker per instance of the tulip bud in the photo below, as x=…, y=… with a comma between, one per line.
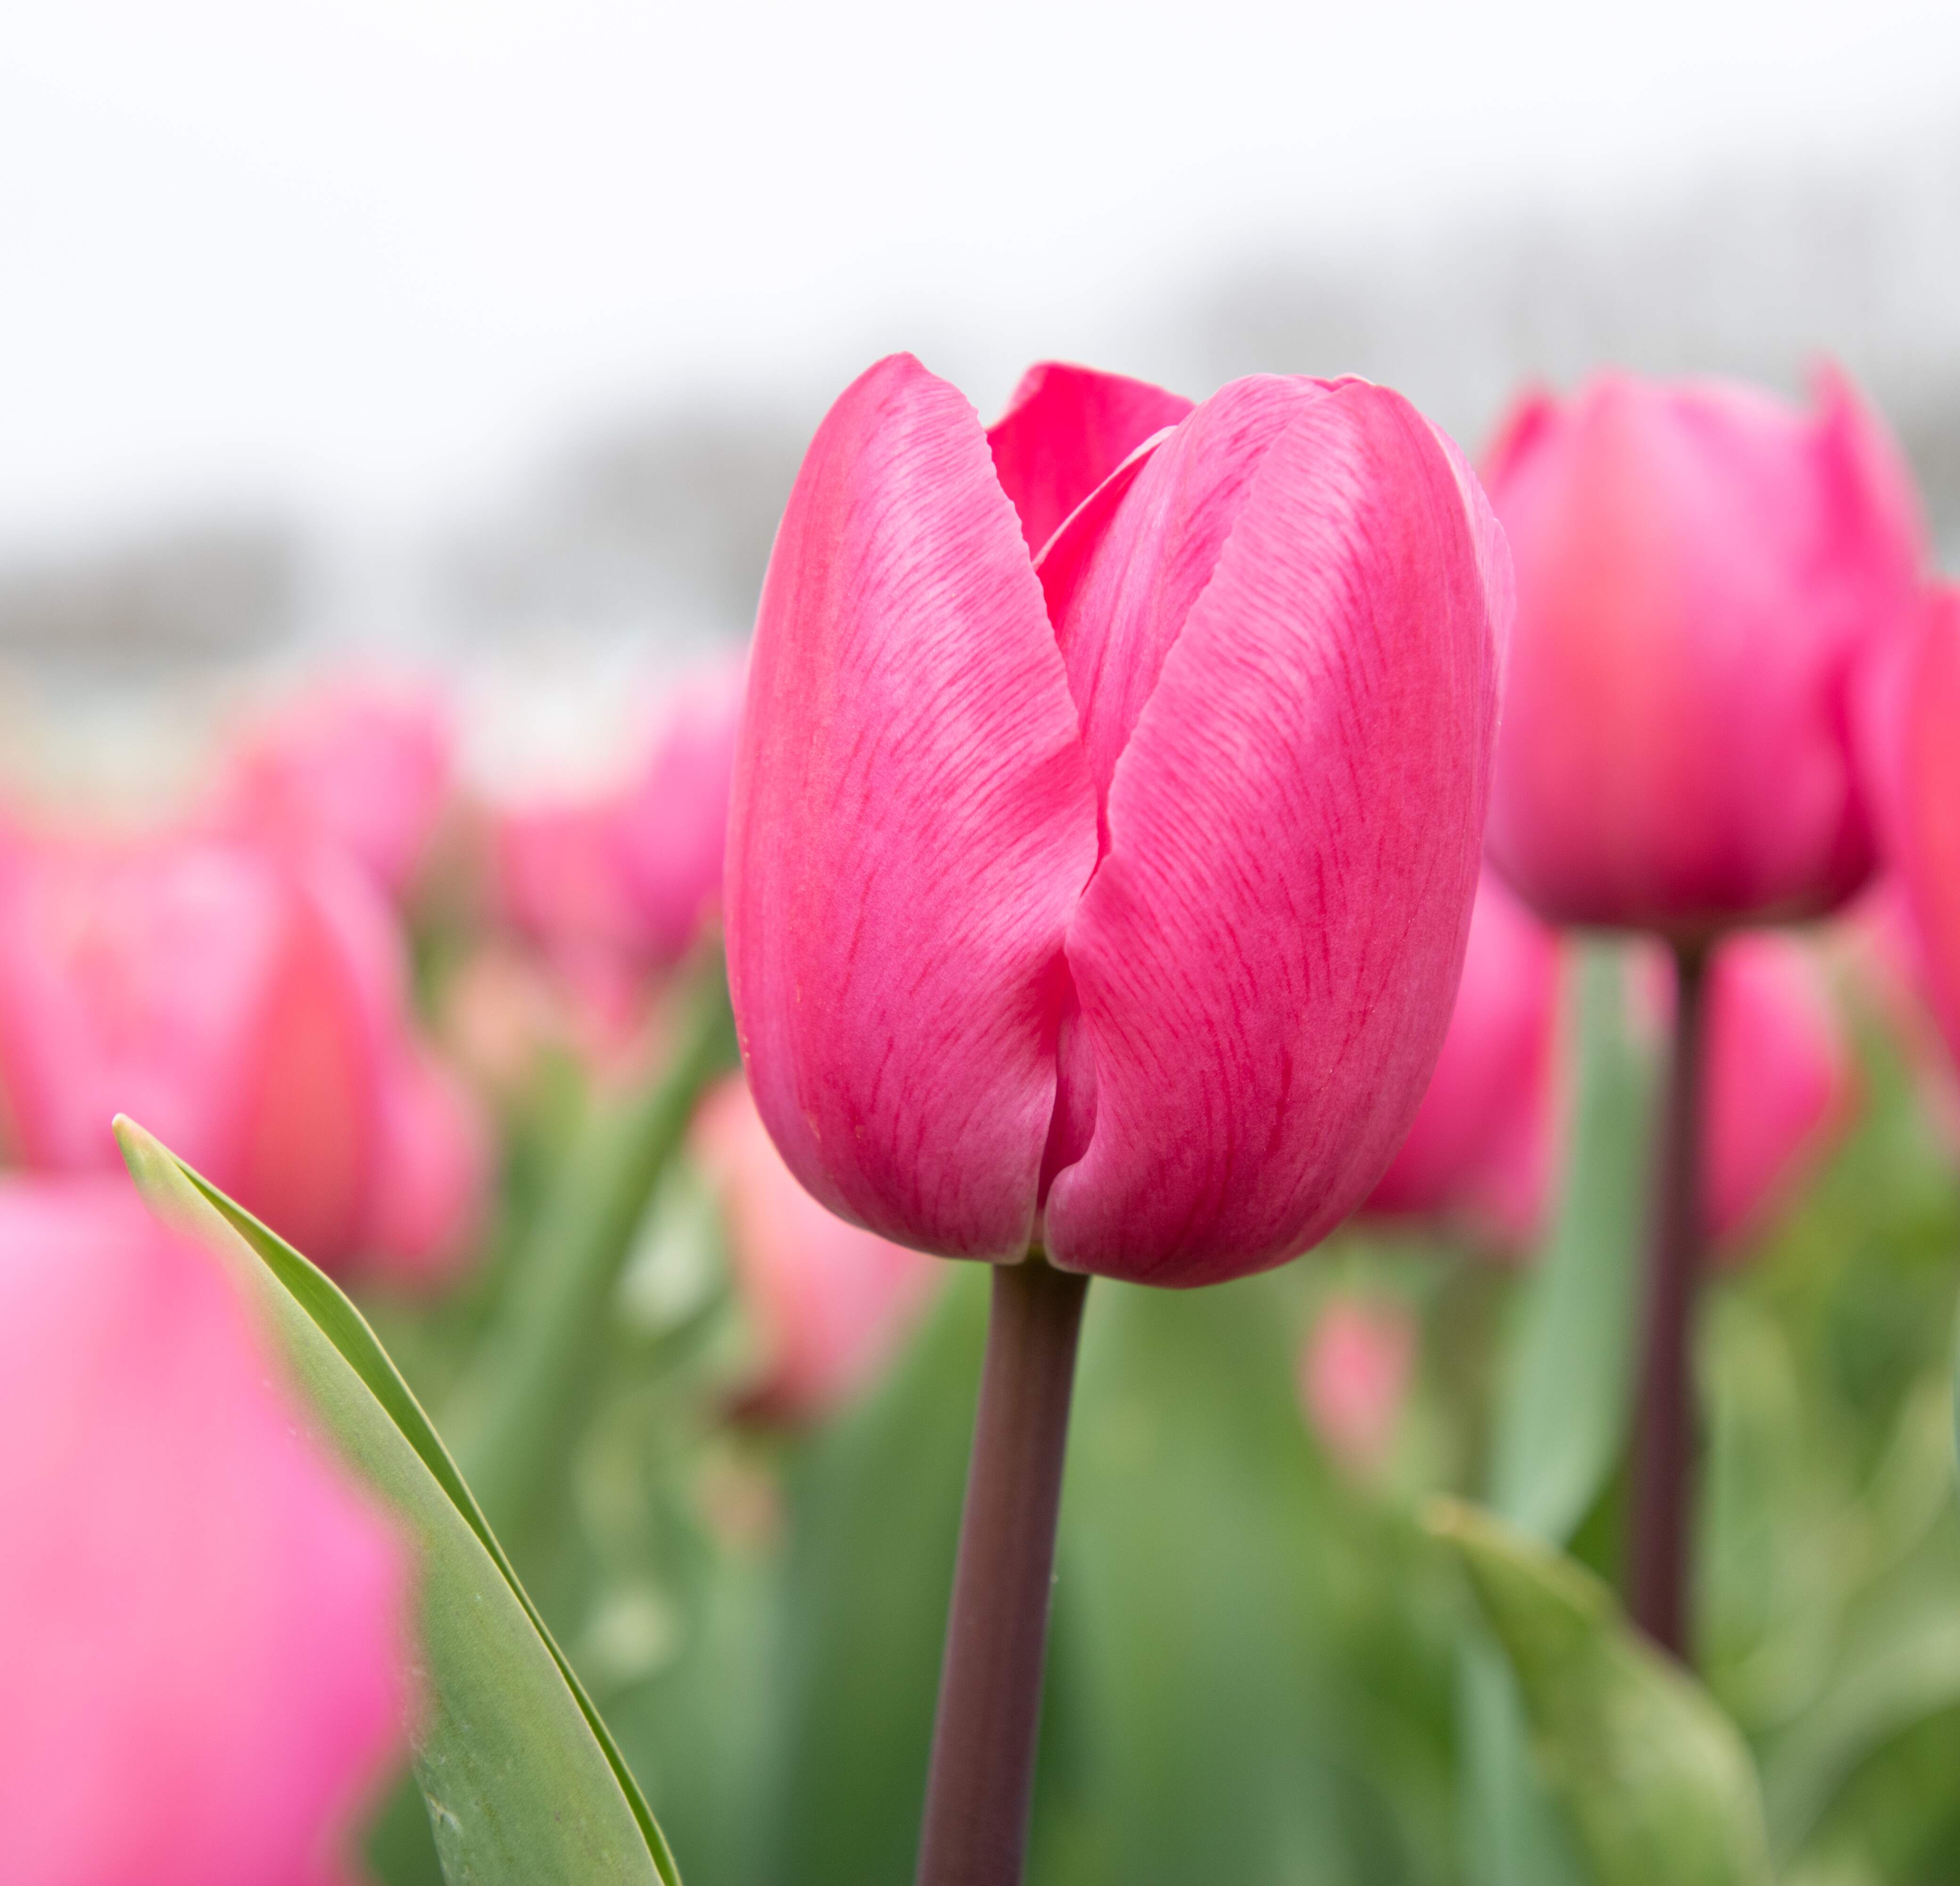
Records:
x=1354, y=1374
x=1919, y=760
x=202, y=1624
x=829, y=1302
x=1699, y=570
x=1115, y=903
x=250, y=1010
x=356, y=765
x=1486, y=1141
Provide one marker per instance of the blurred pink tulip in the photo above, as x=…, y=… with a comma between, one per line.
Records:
x=830, y=1302
x=629, y=877
x=202, y=1622
x=250, y=1009
x=361, y=765
x=1115, y=904
x=1699, y=569
x=1354, y=1374
x=1922, y=761
x=1485, y=1144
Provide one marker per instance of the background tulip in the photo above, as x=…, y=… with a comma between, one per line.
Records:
x=1923, y=761
x=829, y=1302
x=250, y=1009
x=360, y=764
x=1486, y=1140
x=1119, y=906
x=1354, y=1370
x=1699, y=569
x=621, y=882
x=202, y=1623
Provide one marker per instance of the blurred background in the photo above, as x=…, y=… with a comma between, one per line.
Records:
x=476, y=346
x=488, y=336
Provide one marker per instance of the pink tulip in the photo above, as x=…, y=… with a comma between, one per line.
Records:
x=1115, y=904
x=1354, y=1376
x=830, y=1302
x=628, y=878
x=359, y=765
x=250, y=1010
x=1922, y=789
x=202, y=1622
x=1487, y=1139
x=1699, y=569
x=1065, y=429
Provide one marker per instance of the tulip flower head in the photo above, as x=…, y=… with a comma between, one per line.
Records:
x=1699, y=570
x=202, y=1622
x=1924, y=800
x=357, y=766
x=1112, y=901
x=830, y=1302
x=1486, y=1140
x=249, y=1010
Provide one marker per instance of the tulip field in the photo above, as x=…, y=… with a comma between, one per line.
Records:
x=1240, y=1164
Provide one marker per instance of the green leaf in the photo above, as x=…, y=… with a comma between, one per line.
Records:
x=523, y=1782
x=1565, y=1398
x=1658, y=1782
x=513, y=1415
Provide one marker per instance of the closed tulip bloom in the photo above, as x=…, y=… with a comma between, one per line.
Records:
x=251, y=1012
x=202, y=1621
x=361, y=765
x=1114, y=903
x=1920, y=759
x=1486, y=1140
x=1700, y=568
x=829, y=1302
x=630, y=876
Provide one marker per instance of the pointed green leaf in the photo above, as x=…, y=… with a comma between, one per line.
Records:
x=1658, y=1783
x=522, y=1780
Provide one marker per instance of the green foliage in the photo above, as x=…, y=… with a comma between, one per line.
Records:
x=1658, y=1784
x=522, y=1779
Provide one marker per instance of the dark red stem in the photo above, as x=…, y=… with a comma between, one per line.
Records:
x=1660, y=1540
x=990, y=1683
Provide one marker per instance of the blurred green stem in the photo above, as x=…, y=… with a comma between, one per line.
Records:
x=1660, y=1543
x=508, y=1421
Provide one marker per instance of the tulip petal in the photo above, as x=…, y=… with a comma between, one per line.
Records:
x=911, y=824
x=1267, y=957
x=1065, y=429
x=1929, y=821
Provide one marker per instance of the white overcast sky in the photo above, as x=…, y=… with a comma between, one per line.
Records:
x=360, y=257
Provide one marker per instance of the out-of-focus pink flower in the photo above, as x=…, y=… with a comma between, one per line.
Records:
x=359, y=764
x=1354, y=1373
x=1486, y=1140
x=1916, y=765
x=1878, y=945
x=829, y=1301
x=1700, y=568
x=1117, y=902
x=202, y=1622
x=622, y=882
x=248, y=1009
x=1779, y=1083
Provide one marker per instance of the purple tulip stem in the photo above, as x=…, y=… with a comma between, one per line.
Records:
x=990, y=1684
x=1660, y=1542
